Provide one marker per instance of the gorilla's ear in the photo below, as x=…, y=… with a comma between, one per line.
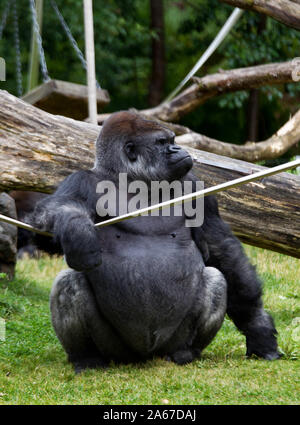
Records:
x=130, y=151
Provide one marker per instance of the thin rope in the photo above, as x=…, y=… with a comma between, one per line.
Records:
x=70, y=37
x=4, y=17
x=36, y=29
x=18, y=51
x=229, y=24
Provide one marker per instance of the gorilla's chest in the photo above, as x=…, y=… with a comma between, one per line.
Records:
x=148, y=243
x=149, y=250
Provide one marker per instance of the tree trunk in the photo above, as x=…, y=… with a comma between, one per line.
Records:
x=253, y=115
x=37, y=150
x=284, y=11
x=253, y=103
x=156, y=89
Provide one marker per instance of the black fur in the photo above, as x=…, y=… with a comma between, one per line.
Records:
x=140, y=287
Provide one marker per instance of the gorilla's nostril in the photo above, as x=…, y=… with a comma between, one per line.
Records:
x=174, y=148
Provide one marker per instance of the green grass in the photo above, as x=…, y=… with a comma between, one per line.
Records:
x=34, y=370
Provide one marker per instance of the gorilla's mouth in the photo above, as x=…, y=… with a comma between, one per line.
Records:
x=181, y=166
x=183, y=159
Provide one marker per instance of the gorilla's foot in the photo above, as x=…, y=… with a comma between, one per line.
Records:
x=269, y=356
x=181, y=357
x=89, y=363
x=261, y=337
x=263, y=353
x=261, y=340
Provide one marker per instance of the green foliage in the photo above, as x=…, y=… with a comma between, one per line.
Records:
x=254, y=40
x=122, y=46
x=259, y=40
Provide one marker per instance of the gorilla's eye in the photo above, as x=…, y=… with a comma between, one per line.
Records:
x=162, y=141
x=130, y=151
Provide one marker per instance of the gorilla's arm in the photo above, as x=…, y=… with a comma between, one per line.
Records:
x=70, y=214
x=200, y=240
x=245, y=305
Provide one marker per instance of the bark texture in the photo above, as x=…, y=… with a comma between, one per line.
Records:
x=284, y=11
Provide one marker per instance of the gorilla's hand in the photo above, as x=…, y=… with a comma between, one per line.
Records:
x=80, y=244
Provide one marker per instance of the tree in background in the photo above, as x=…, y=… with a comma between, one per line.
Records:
x=157, y=79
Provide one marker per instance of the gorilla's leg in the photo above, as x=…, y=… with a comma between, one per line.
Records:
x=214, y=309
x=202, y=324
x=86, y=336
x=245, y=306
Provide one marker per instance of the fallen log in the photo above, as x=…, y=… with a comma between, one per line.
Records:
x=37, y=150
x=275, y=146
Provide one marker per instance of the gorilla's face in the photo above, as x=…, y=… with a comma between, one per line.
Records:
x=143, y=149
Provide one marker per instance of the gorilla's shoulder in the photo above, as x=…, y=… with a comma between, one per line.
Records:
x=77, y=176
x=79, y=181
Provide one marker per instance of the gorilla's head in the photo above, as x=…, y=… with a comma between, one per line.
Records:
x=143, y=149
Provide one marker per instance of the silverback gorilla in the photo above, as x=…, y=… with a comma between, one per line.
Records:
x=140, y=287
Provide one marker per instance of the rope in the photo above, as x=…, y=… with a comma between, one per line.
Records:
x=70, y=37
x=36, y=29
x=189, y=197
x=229, y=24
x=4, y=18
x=18, y=51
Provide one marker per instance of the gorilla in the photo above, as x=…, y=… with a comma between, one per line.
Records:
x=149, y=285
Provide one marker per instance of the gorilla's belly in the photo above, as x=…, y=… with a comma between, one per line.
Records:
x=146, y=286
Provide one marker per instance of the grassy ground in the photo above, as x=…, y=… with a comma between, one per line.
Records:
x=33, y=367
